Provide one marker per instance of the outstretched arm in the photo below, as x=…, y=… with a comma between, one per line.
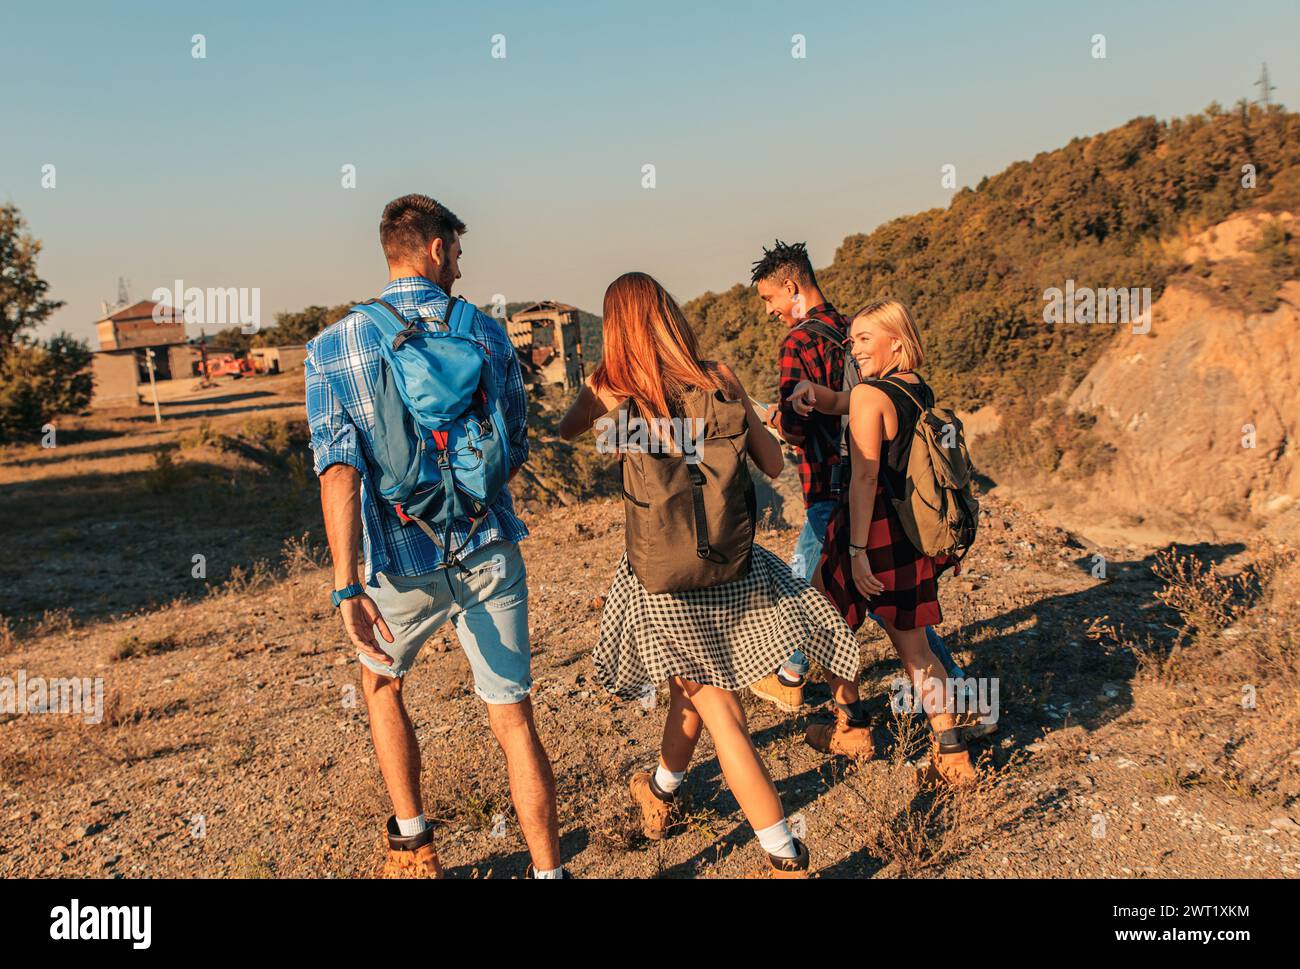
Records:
x=585, y=410
x=808, y=397
x=764, y=450
x=794, y=369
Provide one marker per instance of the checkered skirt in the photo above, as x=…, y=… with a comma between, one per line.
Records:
x=910, y=599
x=727, y=636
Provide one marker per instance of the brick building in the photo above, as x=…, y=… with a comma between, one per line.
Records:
x=548, y=339
x=125, y=336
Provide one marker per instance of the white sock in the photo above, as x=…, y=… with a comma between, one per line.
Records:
x=412, y=826
x=777, y=840
x=549, y=873
x=666, y=780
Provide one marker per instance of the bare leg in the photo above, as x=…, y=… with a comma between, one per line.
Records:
x=744, y=770
x=922, y=666
x=532, y=785
x=845, y=692
x=396, y=749
x=681, y=729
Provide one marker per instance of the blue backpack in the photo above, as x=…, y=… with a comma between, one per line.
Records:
x=440, y=454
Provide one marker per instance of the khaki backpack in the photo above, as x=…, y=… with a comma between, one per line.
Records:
x=938, y=508
x=690, y=517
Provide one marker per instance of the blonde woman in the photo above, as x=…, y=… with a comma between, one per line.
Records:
x=868, y=563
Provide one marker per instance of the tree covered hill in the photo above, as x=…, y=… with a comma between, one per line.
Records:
x=1106, y=211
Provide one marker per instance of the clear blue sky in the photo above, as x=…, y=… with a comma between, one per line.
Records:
x=226, y=171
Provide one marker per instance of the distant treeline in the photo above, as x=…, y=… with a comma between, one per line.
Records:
x=293, y=329
x=1102, y=211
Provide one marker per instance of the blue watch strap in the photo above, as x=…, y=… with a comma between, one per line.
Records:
x=338, y=595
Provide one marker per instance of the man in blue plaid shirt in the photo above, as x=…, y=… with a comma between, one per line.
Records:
x=408, y=592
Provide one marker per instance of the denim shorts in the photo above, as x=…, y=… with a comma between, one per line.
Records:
x=488, y=604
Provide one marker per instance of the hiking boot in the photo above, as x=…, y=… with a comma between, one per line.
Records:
x=796, y=867
x=950, y=766
x=531, y=873
x=971, y=722
x=787, y=698
x=972, y=726
x=848, y=738
x=657, y=808
x=411, y=856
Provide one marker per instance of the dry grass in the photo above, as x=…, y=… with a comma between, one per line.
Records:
x=912, y=831
x=254, y=863
x=54, y=622
x=300, y=555
x=1228, y=687
x=460, y=792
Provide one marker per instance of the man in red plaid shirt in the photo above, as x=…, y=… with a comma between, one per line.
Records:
x=813, y=350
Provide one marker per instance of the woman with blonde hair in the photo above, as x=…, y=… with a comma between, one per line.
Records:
x=707, y=640
x=868, y=564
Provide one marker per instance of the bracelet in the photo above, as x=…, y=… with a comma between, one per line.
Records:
x=347, y=592
x=860, y=548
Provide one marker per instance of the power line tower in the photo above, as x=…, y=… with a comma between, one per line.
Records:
x=123, y=298
x=1265, y=89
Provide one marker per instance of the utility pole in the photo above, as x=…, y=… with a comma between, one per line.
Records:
x=1265, y=89
x=153, y=386
x=203, y=358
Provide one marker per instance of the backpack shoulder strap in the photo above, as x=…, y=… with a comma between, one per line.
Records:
x=460, y=316
x=822, y=330
x=902, y=385
x=392, y=325
x=380, y=313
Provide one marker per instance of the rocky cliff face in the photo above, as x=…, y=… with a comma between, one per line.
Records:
x=1202, y=410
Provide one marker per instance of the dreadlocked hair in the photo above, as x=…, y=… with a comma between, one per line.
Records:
x=784, y=261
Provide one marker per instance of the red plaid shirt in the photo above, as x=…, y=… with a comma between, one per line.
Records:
x=809, y=356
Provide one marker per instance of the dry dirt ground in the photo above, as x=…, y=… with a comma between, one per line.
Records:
x=234, y=743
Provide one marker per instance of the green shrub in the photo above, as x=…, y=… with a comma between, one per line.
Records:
x=40, y=380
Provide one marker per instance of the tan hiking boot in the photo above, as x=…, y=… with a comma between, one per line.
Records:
x=787, y=698
x=845, y=737
x=953, y=768
x=657, y=812
x=972, y=725
x=411, y=856
x=796, y=867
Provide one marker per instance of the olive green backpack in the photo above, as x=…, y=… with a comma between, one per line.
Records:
x=938, y=508
x=690, y=523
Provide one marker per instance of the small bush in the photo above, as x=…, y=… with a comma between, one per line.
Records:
x=266, y=433
x=131, y=647
x=164, y=474
x=301, y=554
x=40, y=380
x=54, y=622
x=202, y=436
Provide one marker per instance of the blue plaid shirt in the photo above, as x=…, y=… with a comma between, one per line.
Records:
x=342, y=368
